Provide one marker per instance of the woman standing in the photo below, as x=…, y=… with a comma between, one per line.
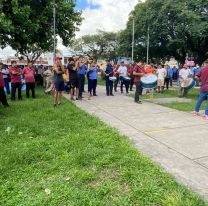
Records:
x=59, y=70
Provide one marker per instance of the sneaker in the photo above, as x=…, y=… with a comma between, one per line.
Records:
x=112, y=95
x=139, y=102
x=196, y=114
x=205, y=117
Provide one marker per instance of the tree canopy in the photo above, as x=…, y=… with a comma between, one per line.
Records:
x=27, y=25
x=100, y=45
x=177, y=28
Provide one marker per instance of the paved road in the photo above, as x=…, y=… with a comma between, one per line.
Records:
x=176, y=140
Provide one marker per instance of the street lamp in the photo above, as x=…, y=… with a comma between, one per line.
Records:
x=148, y=43
x=54, y=28
x=133, y=40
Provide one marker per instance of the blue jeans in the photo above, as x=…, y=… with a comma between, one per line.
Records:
x=6, y=83
x=202, y=97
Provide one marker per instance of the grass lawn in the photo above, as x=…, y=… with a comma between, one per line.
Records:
x=65, y=157
x=193, y=95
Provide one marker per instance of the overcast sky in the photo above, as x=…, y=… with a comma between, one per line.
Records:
x=107, y=15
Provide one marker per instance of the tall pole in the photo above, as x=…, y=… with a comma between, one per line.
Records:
x=133, y=39
x=148, y=43
x=54, y=28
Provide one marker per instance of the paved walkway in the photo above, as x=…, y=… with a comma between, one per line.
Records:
x=176, y=140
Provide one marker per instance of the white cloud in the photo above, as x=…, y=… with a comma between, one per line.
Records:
x=112, y=15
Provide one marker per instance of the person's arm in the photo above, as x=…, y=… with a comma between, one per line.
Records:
x=138, y=74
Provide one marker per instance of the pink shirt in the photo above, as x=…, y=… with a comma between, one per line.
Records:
x=15, y=78
x=1, y=80
x=203, y=75
x=29, y=75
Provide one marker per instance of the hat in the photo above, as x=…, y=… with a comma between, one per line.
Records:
x=56, y=58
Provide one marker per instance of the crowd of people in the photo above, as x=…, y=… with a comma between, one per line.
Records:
x=71, y=78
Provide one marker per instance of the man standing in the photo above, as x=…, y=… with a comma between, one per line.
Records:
x=3, y=98
x=138, y=73
x=73, y=78
x=16, y=83
x=29, y=75
x=108, y=71
x=5, y=72
x=169, y=77
x=184, y=75
x=202, y=76
x=81, y=71
x=123, y=73
x=161, y=74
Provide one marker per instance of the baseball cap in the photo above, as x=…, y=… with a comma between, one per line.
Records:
x=56, y=58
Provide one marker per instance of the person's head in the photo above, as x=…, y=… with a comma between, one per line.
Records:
x=13, y=63
x=30, y=64
x=71, y=60
x=58, y=60
x=94, y=63
x=1, y=65
x=81, y=59
x=122, y=63
x=140, y=64
x=108, y=62
x=159, y=66
x=185, y=66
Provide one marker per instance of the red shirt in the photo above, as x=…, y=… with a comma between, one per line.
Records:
x=138, y=69
x=29, y=75
x=1, y=80
x=203, y=75
x=130, y=71
x=15, y=78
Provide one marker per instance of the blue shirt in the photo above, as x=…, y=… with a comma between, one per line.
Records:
x=169, y=72
x=93, y=74
x=82, y=70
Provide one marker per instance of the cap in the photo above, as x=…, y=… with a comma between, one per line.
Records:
x=56, y=58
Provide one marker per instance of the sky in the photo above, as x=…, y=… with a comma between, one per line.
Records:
x=107, y=15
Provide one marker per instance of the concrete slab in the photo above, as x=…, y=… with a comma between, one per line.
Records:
x=176, y=140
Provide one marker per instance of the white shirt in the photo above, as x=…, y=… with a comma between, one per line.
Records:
x=122, y=71
x=184, y=74
x=161, y=73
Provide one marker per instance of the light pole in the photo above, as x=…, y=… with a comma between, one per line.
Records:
x=148, y=43
x=54, y=28
x=133, y=39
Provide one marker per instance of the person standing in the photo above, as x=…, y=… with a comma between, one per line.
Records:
x=49, y=80
x=73, y=78
x=93, y=76
x=5, y=72
x=130, y=72
x=29, y=76
x=108, y=71
x=184, y=75
x=169, y=76
x=16, y=82
x=161, y=74
x=138, y=73
x=40, y=75
x=59, y=70
x=123, y=73
x=202, y=76
x=81, y=71
x=3, y=98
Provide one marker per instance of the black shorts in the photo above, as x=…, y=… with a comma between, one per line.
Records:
x=74, y=83
x=59, y=86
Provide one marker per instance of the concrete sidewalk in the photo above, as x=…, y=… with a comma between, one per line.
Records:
x=176, y=140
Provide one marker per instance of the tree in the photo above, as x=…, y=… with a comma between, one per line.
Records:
x=177, y=28
x=100, y=45
x=27, y=25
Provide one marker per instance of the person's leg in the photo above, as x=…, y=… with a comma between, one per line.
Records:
x=180, y=92
x=111, y=88
x=3, y=98
x=13, y=96
x=55, y=98
x=185, y=92
x=94, y=87
x=167, y=83
x=107, y=82
x=126, y=83
x=122, y=83
x=27, y=90
x=131, y=84
x=33, y=89
x=19, y=87
x=136, y=98
x=116, y=84
x=59, y=97
x=201, y=98
x=83, y=83
x=6, y=83
x=80, y=86
x=206, y=110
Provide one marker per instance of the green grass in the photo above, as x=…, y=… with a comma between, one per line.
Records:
x=187, y=107
x=80, y=160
